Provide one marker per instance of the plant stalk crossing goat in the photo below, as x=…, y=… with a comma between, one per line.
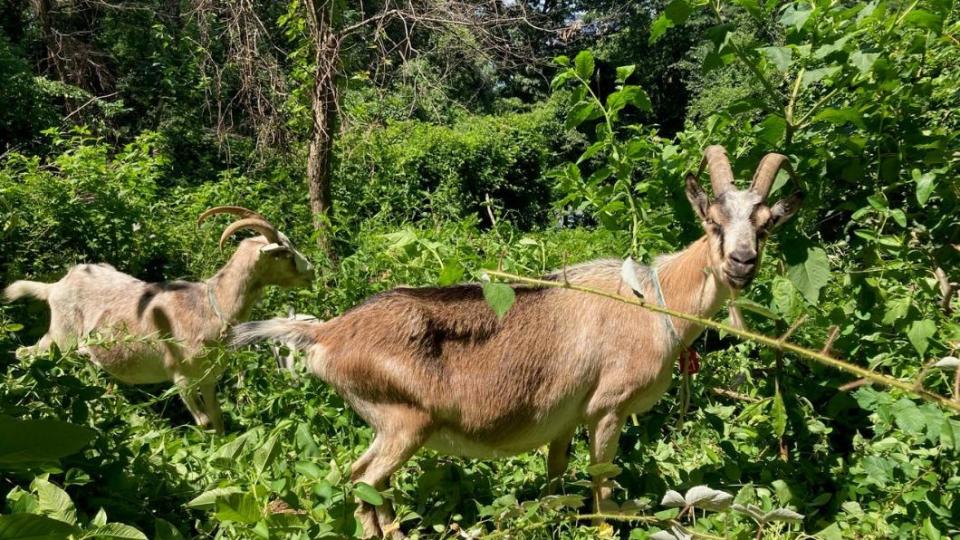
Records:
x=435, y=367
x=144, y=333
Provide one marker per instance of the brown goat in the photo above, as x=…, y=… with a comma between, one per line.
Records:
x=154, y=332
x=435, y=367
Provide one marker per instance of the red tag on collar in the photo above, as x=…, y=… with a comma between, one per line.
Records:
x=689, y=361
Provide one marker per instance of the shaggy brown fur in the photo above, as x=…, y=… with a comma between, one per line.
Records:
x=435, y=367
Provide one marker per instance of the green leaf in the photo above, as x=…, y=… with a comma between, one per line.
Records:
x=908, y=416
x=659, y=27
x=831, y=532
x=117, y=531
x=816, y=75
x=581, y=112
x=367, y=493
x=896, y=308
x=164, y=530
x=920, y=333
x=795, y=16
x=778, y=56
x=623, y=72
x=863, y=61
x=811, y=274
x=605, y=470
x=772, y=130
x=34, y=527
x=678, y=11
x=750, y=305
x=584, y=64
x=925, y=185
x=450, y=274
x=266, y=454
x=632, y=95
x=35, y=442
x=208, y=499
x=54, y=502
x=500, y=296
x=778, y=415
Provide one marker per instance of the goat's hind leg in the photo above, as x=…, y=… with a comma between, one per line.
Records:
x=558, y=458
x=211, y=405
x=403, y=430
x=604, y=436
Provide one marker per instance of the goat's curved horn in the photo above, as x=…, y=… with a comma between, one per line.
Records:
x=255, y=224
x=721, y=175
x=767, y=172
x=235, y=210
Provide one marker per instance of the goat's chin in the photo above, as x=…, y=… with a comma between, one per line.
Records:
x=737, y=282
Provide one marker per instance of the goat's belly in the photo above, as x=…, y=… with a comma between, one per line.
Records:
x=519, y=438
x=133, y=371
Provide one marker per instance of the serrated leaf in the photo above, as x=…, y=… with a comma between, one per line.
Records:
x=863, y=61
x=266, y=454
x=896, y=308
x=623, y=72
x=580, y=113
x=584, y=64
x=920, y=333
x=811, y=275
x=367, y=493
x=604, y=470
x=673, y=499
x=659, y=27
x=795, y=16
x=778, y=56
x=500, y=296
x=816, y=75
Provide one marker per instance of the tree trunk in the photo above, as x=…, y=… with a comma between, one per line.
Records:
x=324, y=107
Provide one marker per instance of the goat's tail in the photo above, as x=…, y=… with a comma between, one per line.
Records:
x=22, y=288
x=297, y=334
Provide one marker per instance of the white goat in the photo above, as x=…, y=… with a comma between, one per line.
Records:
x=154, y=332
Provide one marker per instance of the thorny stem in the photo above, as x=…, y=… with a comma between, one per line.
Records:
x=775, y=343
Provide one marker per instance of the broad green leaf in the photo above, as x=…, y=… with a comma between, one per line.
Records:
x=605, y=470
x=367, y=493
x=920, y=333
x=841, y=116
x=832, y=532
x=811, y=275
x=450, y=274
x=783, y=514
x=584, y=64
x=678, y=11
x=925, y=185
x=660, y=27
x=816, y=75
x=34, y=442
x=116, y=531
x=239, y=507
x=581, y=112
x=863, y=61
x=896, y=308
x=266, y=454
x=164, y=530
x=908, y=416
x=778, y=56
x=772, y=130
x=930, y=531
x=54, y=502
x=795, y=16
x=707, y=498
x=500, y=296
x=35, y=527
x=208, y=499
x=623, y=72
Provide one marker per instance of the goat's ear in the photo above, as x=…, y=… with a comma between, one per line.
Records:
x=697, y=197
x=785, y=208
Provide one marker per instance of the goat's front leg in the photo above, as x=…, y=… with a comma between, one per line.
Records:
x=604, y=436
x=211, y=405
x=188, y=393
x=557, y=460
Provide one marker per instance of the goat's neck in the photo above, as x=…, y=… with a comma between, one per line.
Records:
x=235, y=288
x=690, y=286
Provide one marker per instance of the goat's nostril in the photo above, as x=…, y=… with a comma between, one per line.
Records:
x=744, y=257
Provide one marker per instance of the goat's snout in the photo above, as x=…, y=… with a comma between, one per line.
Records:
x=744, y=258
x=740, y=267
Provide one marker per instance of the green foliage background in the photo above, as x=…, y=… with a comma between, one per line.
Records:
x=862, y=96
